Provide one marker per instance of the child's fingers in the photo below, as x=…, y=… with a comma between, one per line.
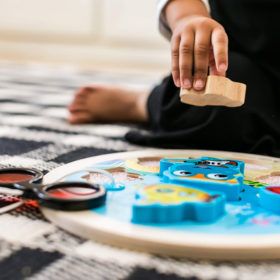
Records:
x=201, y=58
x=212, y=64
x=192, y=42
x=220, y=49
x=186, y=59
x=175, y=46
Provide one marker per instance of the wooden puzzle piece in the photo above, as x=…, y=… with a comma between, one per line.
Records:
x=218, y=91
x=169, y=203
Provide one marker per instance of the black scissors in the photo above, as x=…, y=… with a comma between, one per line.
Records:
x=67, y=196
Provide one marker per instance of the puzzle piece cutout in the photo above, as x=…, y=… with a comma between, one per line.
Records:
x=218, y=91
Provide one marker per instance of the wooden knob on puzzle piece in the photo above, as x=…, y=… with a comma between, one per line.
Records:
x=218, y=91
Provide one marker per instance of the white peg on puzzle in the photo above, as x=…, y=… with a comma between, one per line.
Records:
x=218, y=91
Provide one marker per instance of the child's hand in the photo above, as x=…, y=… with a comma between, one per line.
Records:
x=198, y=42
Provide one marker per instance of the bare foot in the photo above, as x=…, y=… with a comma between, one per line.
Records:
x=108, y=104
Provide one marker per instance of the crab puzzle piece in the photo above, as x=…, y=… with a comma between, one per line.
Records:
x=209, y=174
x=218, y=91
x=169, y=203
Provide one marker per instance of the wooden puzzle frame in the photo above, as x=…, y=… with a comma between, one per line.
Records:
x=148, y=239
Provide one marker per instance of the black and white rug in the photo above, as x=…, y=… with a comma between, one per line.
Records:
x=34, y=133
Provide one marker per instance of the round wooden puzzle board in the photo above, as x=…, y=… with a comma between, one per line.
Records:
x=91, y=225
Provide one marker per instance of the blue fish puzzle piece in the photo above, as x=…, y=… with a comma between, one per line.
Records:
x=212, y=174
x=170, y=203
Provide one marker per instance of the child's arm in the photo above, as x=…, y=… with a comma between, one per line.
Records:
x=197, y=42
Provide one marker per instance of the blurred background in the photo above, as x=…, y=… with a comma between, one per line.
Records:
x=95, y=34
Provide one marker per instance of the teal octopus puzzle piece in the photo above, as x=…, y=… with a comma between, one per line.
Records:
x=210, y=174
x=237, y=165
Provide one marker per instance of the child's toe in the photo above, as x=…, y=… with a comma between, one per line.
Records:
x=79, y=117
